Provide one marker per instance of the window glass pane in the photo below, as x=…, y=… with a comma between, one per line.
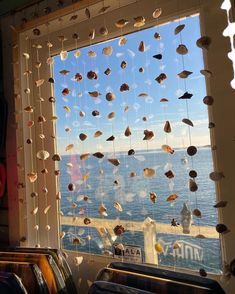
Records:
x=127, y=180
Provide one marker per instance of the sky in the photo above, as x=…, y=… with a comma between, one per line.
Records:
x=150, y=106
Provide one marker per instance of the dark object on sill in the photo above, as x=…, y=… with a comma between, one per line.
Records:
x=11, y=283
x=100, y=287
x=145, y=277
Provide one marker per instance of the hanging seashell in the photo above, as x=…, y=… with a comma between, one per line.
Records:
x=36, y=227
x=158, y=56
x=91, y=75
x=153, y=197
x=192, y=174
x=149, y=172
x=182, y=49
x=44, y=171
x=207, y=73
x=64, y=72
x=47, y=228
x=29, y=109
x=69, y=147
x=78, y=260
x=157, y=12
x=51, y=99
x=107, y=50
x=204, y=42
x=111, y=115
x=184, y=74
x=200, y=236
x=95, y=113
x=49, y=44
x=157, y=36
x=27, y=91
x=56, y=157
x=62, y=235
x=186, y=219
x=92, y=34
x=82, y=113
x=208, y=100
x=186, y=95
x=63, y=55
x=141, y=70
x=77, y=53
x=127, y=132
x=97, y=134
x=187, y=122
x=65, y=92
x=82, y=136
x=167, y=127
x=131, y=152
x=37, y=64
x=103, y=9
x=51, y=80
x=67, y=109
x=107, y=71
x=87, y=13
x=122, y=41
x=179, y=28
x=148, y=135
x=104, y=31
x=110, y=96
x=161, y=78
x=118, y=206
x=91, y=54
x=43, y=154
x=121, y=23
x=36, y=32
x=192, y=185
x=29, y=141
x=158, y=247
x=78, y=77
x=169, y=174
x=197, y=213
x=87, y=221
x=139, y=21
x=50, y=60
x=124, y=87
x=221, y=204
x=222, y=229
x=168, y=149
x=123, y=64
x=98, y=155
x=172, y=197
x=216, y=176
x=211, y=125
x=119, y=230
x=141, y=47
x=114, y=161
x=39, y=83
x=34, y=194
x=103, y=210
x=32, y=177
x=176, y=245
x=26, y=55
x=191, y=150
x=34, y=211
x=28, y=72
x=47, y=209
x=84, y=156
x=71, y=187
x=30, y=123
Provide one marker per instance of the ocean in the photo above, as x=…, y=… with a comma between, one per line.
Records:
x=104, y=183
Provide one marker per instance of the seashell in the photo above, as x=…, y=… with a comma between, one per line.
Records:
x=124, y=87
x=172, y=197
x=82, y=136
x=139, y=21
x=202, y=272
x=149, y=172
x=28, y=109
x=141, y=47
x=107, y=71
x=49, y=61
x=30, y=123
x=56, y=157
x=141, y=70
x=91, y=75
x=76, y=241
x=74, y=17
x=87, y=221
x=204, y=42
x=103, y=210
x=112, y=138
x=211, y=125
x=95, y=113
x=111, y=115
x=97, y=134
x=208, y=100
x=43, y=154
x=62, y=38
x=158, y=247
x=126, y=108
x=158, y=56
x=47, y=227
x=34, y=211
x=131, y=152
x=36, y=227
x=41, y=119
x=51, y=99
x=49, y=44
x=168, y=149
x=51, y=80
x=182, y=49
x=84, y=156
x=191, y=150
x=110, y=96
x=39, y=83
x=37, y=64
x=29, y=141
x=103, y=9
x=148, y=135
x=200, y=236
x=221, y=204
x=64, y=72
x=216, y=176
x=127, y=132
x=36, y=32
x=69, y=147
x=44, y=171
x=144, y=118
x=186, y=219
x=192, y=174
x=82, y=113
x=197, y=213
x=133, y=174
x=107, y=50
x=176, y=245
x=192, y=185
x=91, y=54
x=186, y=95
x=169, y=174
x=122, y=41
x=77, y=53
x=34, y=194
x=94, y=94
x=41, y=136
x=184, y=74
x=164, y=100
x=78, y=77
x=121, y=23
x=67, y=109
x=179, y=28
x=54, y=118
x=27, y=91
x=118, y=206
x=98, y=155
x=92, y=34
x=71, y=187
x=161, y=78
x=28, y=72
x=157, y=12
x=153, y=197
x=87, y=13
x=47, y=209
x=207, y=73
x=62, y=235
x=114, y=161
x=119, y=230
x=104, y=31
x=123, y=64
x=187, y=122
x=65, y=92
x=157, y=36
x=32, y=177
x=78, y=260
x=167, y=127
x=63, y=55
x=26, y=55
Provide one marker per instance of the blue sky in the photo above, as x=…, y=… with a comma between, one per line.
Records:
x=157, y=113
